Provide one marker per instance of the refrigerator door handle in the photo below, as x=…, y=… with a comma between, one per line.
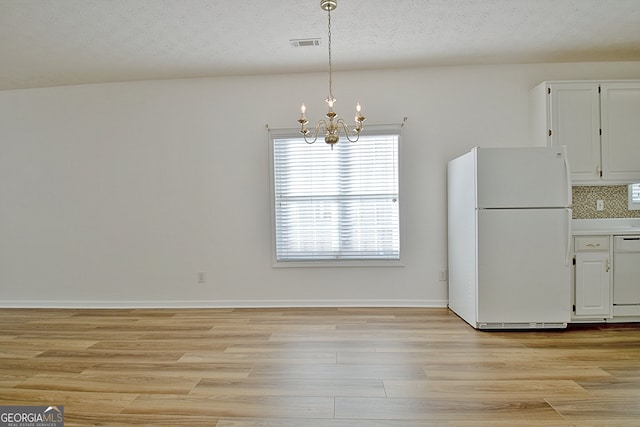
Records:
x=568, y=253
x=567, y=169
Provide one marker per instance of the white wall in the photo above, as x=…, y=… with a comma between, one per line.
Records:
x=118, y=194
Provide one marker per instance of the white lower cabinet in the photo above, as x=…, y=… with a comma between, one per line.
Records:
x=593, y=277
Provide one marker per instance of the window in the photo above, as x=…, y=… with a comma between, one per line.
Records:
x=337, y=205
x=634, y=197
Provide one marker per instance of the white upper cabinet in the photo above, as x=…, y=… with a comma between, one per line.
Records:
x=599, y=122
x=575, y=122
x=620, y=124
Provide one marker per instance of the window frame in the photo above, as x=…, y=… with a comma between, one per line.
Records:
x=295, y=133
x=634, y=205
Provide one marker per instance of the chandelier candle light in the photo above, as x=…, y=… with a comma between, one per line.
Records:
x=333, y=126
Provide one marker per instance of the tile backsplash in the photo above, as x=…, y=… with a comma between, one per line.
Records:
x=615, y=199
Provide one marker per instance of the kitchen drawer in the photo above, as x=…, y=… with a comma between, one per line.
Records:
x=591, y=243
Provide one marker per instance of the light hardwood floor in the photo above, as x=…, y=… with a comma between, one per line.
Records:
x=314, y=367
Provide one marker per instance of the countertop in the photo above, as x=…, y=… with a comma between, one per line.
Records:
x=615, y=226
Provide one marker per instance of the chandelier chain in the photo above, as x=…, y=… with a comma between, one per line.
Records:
x=330, y=65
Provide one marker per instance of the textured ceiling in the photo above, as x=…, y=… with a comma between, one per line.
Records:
x=62, y=42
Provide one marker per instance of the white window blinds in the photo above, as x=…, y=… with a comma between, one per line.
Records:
x=634, y=197
x=339, y=204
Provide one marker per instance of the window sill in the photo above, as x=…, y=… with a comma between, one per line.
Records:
x=337, y=263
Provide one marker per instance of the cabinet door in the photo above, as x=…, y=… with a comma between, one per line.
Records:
x=593, y=284
x=620, y=103
x=575, y=122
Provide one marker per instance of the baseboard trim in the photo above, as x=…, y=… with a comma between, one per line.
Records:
x=228, y=303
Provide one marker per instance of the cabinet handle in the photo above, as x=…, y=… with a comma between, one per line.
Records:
x=607, y=265
x=593, y=245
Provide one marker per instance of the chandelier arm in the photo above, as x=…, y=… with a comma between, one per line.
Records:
x=315, y=132
x=347, y=133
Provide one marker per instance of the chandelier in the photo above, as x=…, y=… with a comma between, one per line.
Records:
x=331, y=127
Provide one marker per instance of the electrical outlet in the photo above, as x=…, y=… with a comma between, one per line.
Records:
x=599, y=205
x=201, y=277
x=443, y=275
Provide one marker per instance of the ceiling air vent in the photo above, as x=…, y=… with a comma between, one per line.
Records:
x=305, y=42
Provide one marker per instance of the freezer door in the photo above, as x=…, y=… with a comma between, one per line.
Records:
x=522, y=271
x=523, y=177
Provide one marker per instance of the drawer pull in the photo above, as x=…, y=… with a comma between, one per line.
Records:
x=593, y=245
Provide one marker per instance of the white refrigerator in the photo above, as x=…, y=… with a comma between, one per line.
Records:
x=509, y=237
